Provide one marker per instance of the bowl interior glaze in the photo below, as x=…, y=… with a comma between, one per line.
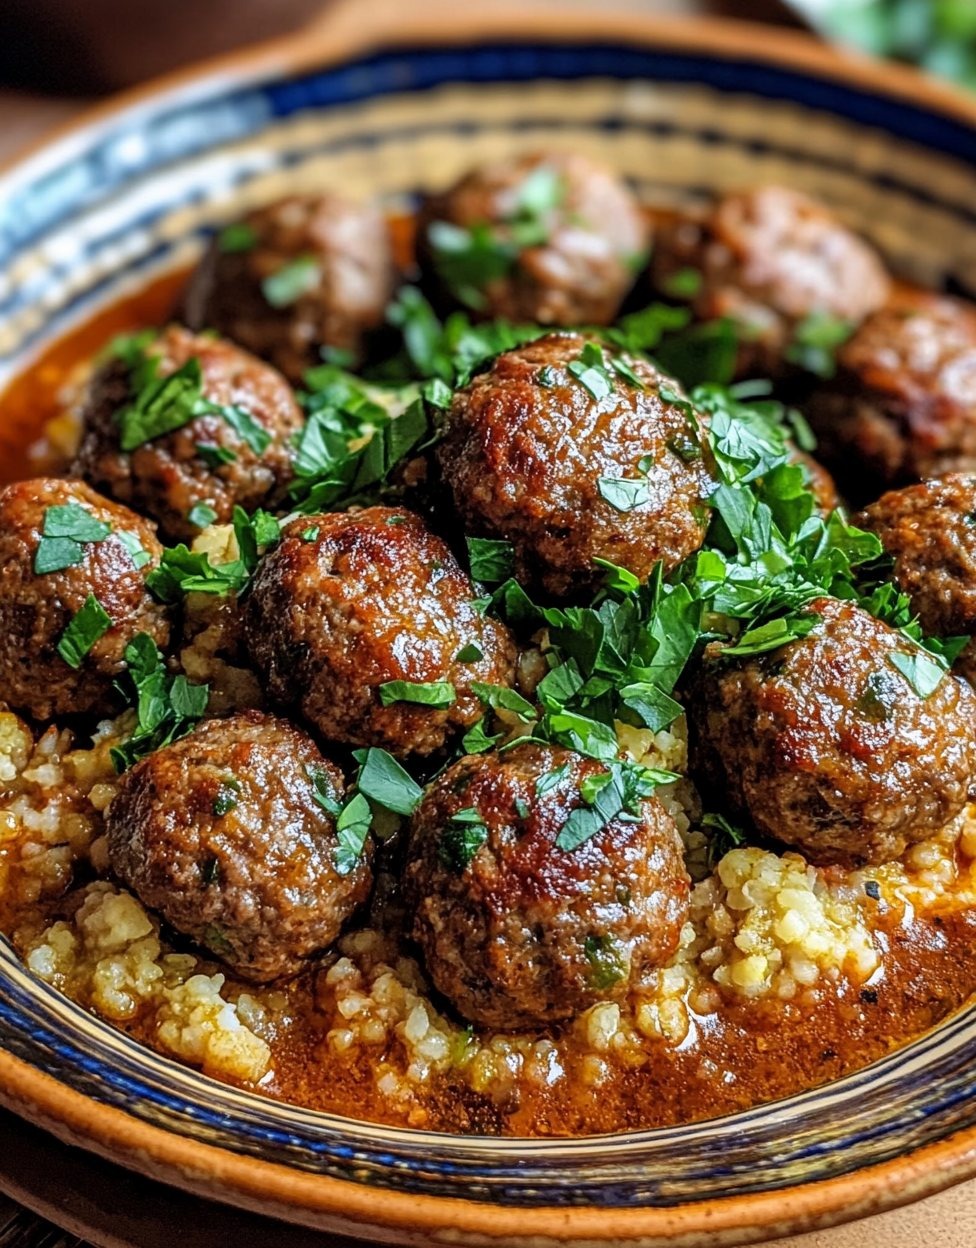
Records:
x=136, y=193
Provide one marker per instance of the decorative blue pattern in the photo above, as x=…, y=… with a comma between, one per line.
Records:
x=911, y=1098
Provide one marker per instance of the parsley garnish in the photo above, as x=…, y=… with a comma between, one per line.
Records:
x=490, y=559
x=435, y=693
x=238, y=236
x=84, y=628
x=296, y=278
x=160, y=405
x=924, y=672
x=137, y=552
x=66, y=529
x=684, y=283
x=352, y=829
x=167, y=706
x=464, y=835
x=384, y=781
x=815, y=342
x=608, y=965
x=724, y=836
x=201, y=515
x=471, y=653
x=227, y=796
x=184, y=571
x=592, y=372
x=215, y=456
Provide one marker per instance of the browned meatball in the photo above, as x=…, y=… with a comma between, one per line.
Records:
x=349, y=602
x=825, y=744
x=207, y=459
x=819, y=481
x=48, y=581
x=769, y=259
x=300, y=274
x=517, y=931
x=226, y=834
x=532, y=456
x=547, y=237
x=929, y=529
x=903, y=403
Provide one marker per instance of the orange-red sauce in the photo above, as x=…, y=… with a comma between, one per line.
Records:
x=749, y=1052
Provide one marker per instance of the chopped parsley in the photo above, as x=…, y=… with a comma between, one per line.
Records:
x=385, y=782
x=295, y=278
x=433, y=693
x=592, y=371
x=724, y=836
x=464, y=835
x=201, y=515
x=227, y=796
x=352, y=828
x=166, y=706
x=84, y=628
x=628, y=493
x=491, y=560
x=922, y=670
x=137, y=552
x=236, y=237
x=608, y=964
x=471, y=653
x=183, y=571
x=815, y=342
x=684, y=283
x=215, y=456
x=65, y=531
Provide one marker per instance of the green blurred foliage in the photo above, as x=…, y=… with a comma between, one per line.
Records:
x=939, y=35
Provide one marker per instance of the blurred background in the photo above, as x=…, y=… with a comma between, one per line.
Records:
x=57, y=55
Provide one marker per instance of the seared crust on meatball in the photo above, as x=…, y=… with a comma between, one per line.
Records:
x=37, y=607
x=346, y=603
x=902, y=405
x=768, y=258
x=224, y=834
x=168, y=475
x=529, y=452
x=826, y=746
x=929, y=530
x=307, y=272
x=520, y=932
x=573, y=257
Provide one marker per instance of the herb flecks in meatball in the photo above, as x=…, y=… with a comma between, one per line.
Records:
x=792, y=278
x=295, y=276
x=73, y=569
x=185, y=427
x=929, y=530
x=903, y=403
x=550, y=238
x=230, y=834
x=574, y=453
x=849, y=743
x=367, y=623
x=518, y=931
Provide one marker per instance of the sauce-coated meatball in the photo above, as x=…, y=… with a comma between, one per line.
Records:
x=769, y=259
x=224, y=834
x=825, y=744
x=207, y=459
x=532, y=456
x=929, y=530
x=348, y=602
x=518, y=932
x=903, y=403
x=564, y=238
x=304, y=273
x=46, y=580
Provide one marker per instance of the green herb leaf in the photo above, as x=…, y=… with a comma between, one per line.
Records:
x=296, y=278
x=137, y=552
x=500, y=697
x=247, y=428
x=470, y=653
x=608, y=963
x=490, y=559
x=434, y=693
x=461, y=839
x=592, y=372
x=385, y=782
x=922, y=671
x=161, y=404
x=477, y=739
x=238, y=236
x=352, y=829
x=227, y=796
x=166, y=707
x=74, y=521
x=215, y=456
x=55, y=553
x=201, y=515
x=684, y=284
x=815, y=342
x=86, y=626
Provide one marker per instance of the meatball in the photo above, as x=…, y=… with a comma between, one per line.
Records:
x=548, y=237
x=826, y=745
x=349, y=602
x=73, y=569
x=929, y=529
x=518, y=932
x=769, y=259
x=239, y=455
x=819, y=481
x=293, y=277
x=532, y=455
x=903, y=403
x=230, y=835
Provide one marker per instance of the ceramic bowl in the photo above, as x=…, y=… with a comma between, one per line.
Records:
x=680, y=109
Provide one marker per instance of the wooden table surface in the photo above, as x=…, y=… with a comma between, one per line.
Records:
x=115, y=1209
